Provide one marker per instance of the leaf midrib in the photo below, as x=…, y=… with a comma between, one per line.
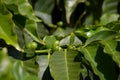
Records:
x=66, y=64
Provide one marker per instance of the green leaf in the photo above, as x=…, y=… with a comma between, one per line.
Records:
x=20, y=38
x=24, y=8
x=107, y=18
x=115, y=25
x=102, y=35
x=31, y=26
x=50, y=41
x=110, y=11
x=70, y=6
x=63, y=67
x=34, y=37
x=28, y=47
x=42, y=30
x=30, y=66
x=90, y=53
x=89, y=19
x=59, y=32
x=18, y=70
x=7, y=26
x=110, y=6
x=72, y=38
x=62, y=32
x=110, y=49
x=106, y=65
x=67, y=41
x=20, y=73
x=43, y=9
x=84, y=73
x=4, y=62
x=43, y=64
x=47, y=19
x=42, y=6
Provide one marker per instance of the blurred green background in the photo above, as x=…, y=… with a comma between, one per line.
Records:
x=12, y=69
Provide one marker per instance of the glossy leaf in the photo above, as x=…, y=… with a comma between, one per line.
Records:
x=20, y=34
x=110, y=49
x=110, y=14
x=67, y=41
x=106, y=65
x=42, y=6
x=24, y=8
x=113, y=25
x=107, y=18
x=50, y=41
x=4, y=62
x=45, y=17
x=61, y=32
x=90, y=53
x=31, y=66
x=31, y=26
x=63, y=67
x=7, y=26
x=20, y=73
x=42, y=30
x=43, y=64
x=27, y=45
x=34, y=37
x=102, y=35
x=16, y=71
x=43, y=9
x=110, y=6
x=70, y=6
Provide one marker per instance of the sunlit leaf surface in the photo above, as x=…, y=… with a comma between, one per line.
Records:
x=63, y=67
